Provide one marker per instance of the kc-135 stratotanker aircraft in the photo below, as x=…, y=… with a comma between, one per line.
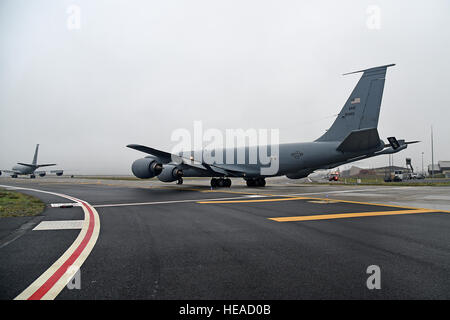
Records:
x=30, y=168
x=353, y=136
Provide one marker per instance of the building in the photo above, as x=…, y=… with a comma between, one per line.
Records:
x=442, y=167
x=433, y=169
x=382, y=171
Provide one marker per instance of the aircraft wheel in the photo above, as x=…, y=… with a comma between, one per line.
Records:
x=213, y=182
x=180, y=181
x=228, y=182
x=14, y=176
x=261, y=182
x=221, y=183
x=251, y=183
x=32, y=176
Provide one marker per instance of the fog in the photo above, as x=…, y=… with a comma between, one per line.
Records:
x=85, y=78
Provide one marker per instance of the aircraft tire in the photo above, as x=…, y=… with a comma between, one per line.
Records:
x=261, y=182
x=180, y=181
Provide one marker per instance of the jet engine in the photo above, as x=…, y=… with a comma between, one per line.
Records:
x=147, y=167
x=57, y=172
x=170, y=173
x=42, y=174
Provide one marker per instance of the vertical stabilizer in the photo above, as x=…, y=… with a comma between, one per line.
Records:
x=362, y=109
x=35, y=155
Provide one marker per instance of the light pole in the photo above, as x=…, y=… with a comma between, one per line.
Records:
x=423, y=172
x=432, y=154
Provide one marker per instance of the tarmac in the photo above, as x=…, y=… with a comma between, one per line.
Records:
x=150, y=240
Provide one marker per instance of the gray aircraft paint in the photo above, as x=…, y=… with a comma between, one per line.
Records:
x=353, y=136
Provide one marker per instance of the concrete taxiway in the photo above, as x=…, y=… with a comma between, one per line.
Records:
x=149, y=240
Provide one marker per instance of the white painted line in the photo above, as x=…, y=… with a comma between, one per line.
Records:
x=65, y=205
x=162, y=202
x=60, y=225
x=340, y=191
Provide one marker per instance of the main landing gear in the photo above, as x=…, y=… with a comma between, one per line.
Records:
x=221, y=182
x=180, y=181
x=256, y=182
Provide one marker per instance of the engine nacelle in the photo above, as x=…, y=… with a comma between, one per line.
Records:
x=57, y=172
x=42, y=174
x=147, y=167
x=170, y=173
x=300, y=174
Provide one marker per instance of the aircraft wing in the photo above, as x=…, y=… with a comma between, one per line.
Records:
x=9, y=171
x=58, y=172
x=167, y=157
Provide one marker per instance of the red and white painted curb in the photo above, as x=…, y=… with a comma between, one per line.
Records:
x=55, y=278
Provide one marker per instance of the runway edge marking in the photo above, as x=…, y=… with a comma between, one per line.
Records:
x=55, y=278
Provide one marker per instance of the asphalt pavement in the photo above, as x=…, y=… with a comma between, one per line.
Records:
x=159, y=241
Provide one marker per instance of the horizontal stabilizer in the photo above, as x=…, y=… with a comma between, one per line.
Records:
x=26, y=164
x=46, y=165
x=395, y=142
x=359, y=140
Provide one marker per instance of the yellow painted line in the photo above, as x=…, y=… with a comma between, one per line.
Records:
x=350, y=215
x=367, y=203
x=253, y=200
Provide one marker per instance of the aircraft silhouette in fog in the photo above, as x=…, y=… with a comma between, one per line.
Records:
x=30, y=168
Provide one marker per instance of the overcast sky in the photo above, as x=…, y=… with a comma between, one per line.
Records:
x=135, y=71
